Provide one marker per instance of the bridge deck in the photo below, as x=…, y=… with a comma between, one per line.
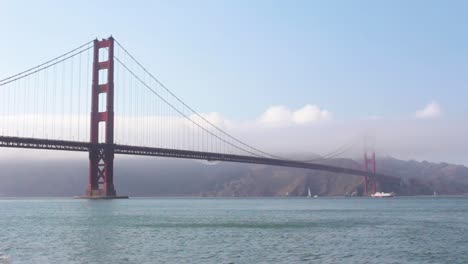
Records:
x=33, y=143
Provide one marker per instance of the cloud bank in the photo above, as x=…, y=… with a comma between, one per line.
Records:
x=308, y=129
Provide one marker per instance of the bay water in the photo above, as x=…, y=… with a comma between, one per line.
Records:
x=234, y=230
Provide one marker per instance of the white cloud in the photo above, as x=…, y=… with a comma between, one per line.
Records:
x=431, y=110
x=310, y=113
x=276, y=115
x=281, y=115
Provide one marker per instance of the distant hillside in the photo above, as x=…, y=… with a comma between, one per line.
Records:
x=168, y=177
x=426, y=177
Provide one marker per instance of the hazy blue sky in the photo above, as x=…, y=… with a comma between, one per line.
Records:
x=352, y=58
x=397, y=70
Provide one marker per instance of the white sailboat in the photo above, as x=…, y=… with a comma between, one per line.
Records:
x=309, y=194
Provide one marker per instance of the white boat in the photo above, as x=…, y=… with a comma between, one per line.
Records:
x=383, y=194
x=309, y=194
x=315, y=196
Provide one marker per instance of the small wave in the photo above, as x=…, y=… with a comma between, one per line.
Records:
x=4, y=259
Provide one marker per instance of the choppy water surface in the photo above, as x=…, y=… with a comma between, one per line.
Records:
x=322, y=230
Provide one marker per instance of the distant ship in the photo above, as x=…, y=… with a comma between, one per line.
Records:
x=383, y=194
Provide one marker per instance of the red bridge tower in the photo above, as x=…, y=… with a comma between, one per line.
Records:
x=101, y=154
x=370, y=184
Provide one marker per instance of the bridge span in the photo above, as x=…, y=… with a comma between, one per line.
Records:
x=107, y=103
x=48, y=144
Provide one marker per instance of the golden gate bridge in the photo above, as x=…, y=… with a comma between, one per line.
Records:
x=132, y=113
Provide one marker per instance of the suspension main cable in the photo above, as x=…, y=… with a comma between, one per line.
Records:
x=38, y=68
x=180, y=112
x=47, y=62
x=191, y=109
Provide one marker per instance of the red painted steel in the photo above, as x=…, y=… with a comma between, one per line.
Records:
x=370, y=185
x=101, y=156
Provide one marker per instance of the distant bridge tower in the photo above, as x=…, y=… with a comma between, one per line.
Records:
x=370, y=184
x=101, y=154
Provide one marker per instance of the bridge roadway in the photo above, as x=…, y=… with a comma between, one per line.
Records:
x=65, y=145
